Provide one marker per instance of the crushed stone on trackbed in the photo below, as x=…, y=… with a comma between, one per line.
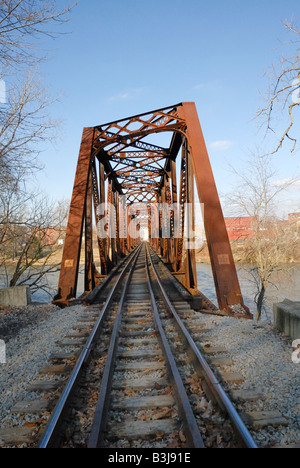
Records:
x=261, y=354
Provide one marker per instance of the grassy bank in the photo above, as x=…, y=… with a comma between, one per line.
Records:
x=240, y=254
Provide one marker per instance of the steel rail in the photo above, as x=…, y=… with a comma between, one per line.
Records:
x=100, y=418
x=191, y=430
x=92, y=296
x=204, y=369
x=52, y=432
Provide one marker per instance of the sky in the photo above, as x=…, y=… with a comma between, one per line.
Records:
x=122, y=58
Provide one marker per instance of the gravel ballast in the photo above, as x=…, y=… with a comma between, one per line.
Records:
x=263, y=357
x=261, y=354
x=30, y=335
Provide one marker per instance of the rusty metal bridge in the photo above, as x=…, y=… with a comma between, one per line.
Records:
x=125, y=183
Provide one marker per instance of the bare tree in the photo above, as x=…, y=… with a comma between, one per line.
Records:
x=24, y=121
x=24, y=125
x=25, y=219
x=283, y=96
x=30, y=232
x=21, y=22
x=272, y=243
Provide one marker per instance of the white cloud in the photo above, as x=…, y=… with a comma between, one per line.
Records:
x=208, y=86
x=280, y=183
x=127, y=95
x=221, y=145
x=288, y=183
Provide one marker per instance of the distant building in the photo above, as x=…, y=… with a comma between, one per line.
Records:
x=244, y=228
x=240, y=228
x=51, y=236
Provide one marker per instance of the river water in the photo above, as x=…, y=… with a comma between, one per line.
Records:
x=286, y=285
x=51, y=281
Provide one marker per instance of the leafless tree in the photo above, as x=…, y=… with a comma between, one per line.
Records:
x=283, y=96
x=24, y=121
x=30, y=232
x=257, y=195
x=22, y=22
x=24, y=125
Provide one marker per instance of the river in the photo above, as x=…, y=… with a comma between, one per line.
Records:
x=286, y=285
x=50, y=281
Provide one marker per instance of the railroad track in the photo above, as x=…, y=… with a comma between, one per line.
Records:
x=150, y=385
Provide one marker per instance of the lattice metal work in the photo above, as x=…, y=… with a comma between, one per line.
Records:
x=117, y=163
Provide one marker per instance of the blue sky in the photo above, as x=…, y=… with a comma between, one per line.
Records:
x=122, y=58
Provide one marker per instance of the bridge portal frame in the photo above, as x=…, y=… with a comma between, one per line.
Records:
x=115, y=160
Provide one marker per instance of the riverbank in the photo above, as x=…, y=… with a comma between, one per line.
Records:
x=285, y=285
x=55, y=259
x=202, y=256
x=286, y=282
x=240, y=255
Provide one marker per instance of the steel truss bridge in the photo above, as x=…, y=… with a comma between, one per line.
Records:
x=118, y=168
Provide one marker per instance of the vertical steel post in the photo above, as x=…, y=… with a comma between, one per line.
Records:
x=160, y=221
x=190, y=260
x=150, y=240
x=115, y=240
x=170, y=218
x=104, y=257
x=89, y=275
x=96, y=200
x=155, y=224
x=122, y=225
x=165, y=219
x=182, y=201
x=109, y=234
x=128, y=226
x=175, y=213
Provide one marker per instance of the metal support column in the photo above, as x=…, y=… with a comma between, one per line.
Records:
x=67, y=286
x=90, y=269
